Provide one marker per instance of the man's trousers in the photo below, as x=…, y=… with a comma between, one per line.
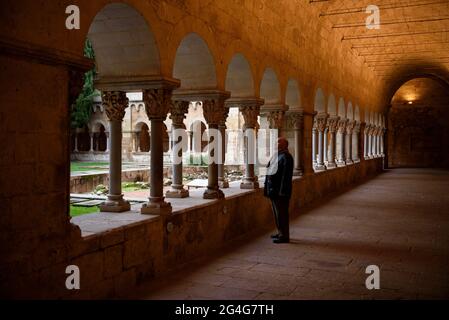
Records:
x=281, y=216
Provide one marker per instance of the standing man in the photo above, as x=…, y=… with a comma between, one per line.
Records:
x=278, y=187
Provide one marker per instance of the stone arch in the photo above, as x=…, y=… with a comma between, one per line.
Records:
x=293, y=95
x=319, y=104
x=357, y=113
x=239, y=77
x=144, y=137
x=123, y=42
x=332, y=105
x=350, y=111
x=194, y=64
x=270, y=87
x=341, y=110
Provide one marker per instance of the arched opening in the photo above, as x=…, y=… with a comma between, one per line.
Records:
x=194, y=64
x=320, y=101
x=331, y=106
x=341, y=108
x=99, y=138
x=239, y=78
x=293, y=95
x=270, y=88
x=418, y=125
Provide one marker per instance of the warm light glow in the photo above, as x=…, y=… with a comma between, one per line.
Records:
x=410, y=102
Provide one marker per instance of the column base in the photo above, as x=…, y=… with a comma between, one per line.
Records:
x=320, y=167
x=223, y=184
x=298, y=173
x=356, y=160
x=213, y=194
x=341, y=163
x=177, y=193
x=115, y=204
x=251, y=183
x=156, y=208
x=349, y=162
x=331, y=165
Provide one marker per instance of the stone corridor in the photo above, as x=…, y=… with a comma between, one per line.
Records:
x=398, y=221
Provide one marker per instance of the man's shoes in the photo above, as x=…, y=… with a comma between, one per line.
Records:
x=275, y=236
x=281, y=240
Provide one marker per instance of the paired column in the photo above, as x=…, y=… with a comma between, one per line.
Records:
x=356, y=142
x=177, y=115
x=115, y=103
x=321, y=120
x=370, y=141
x=332, y=125
x=214, y=111
x=157, y=105
x=298, y=126
x=222, y=181
x=348, y=143
x=341, y=130
x=250, y=113
x=276, y=120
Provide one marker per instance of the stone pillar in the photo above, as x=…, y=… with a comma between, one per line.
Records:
x=314, y=144
x=370, y=140
x=157, y=105
x=341, y=129
x=332, y=125
x=91, y=141
x=177, y=115
x=115, y=103
x=382, y=145
x=326, y=145
x=321, y=120
x=298, y=125
x=276, y=120
x=213, y=110
x=250, y=113
x=108, y=141
x=348, y=144
x=76, y=142
x=355, y=144
x=222, y=181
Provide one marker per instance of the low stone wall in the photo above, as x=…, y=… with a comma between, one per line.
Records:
x=113, y=262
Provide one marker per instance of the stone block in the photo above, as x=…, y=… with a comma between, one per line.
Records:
x=113, y=261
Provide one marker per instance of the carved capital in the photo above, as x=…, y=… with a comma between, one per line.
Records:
x=114, y=103
x=215, y=111
x=341, y=126
x=250, y=114
x=178, y=111
x=157, y=103
x=320, y=122
x=357, y=128
x=332, y=123
x=275, y=119
x=350, y=127
x=297, y=120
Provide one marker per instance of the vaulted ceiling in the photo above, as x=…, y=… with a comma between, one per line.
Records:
x=413, y=38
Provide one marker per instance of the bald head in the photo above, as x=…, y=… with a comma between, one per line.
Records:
x=282, y=144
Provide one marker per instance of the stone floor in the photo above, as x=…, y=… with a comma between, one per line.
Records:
x=398, y=221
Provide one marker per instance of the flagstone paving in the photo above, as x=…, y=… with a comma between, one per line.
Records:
x=398, y=221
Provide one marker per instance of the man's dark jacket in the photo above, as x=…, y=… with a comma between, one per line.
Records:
x=279, y=184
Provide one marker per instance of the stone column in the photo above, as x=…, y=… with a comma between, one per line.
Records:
x=276, y=120
x=332, y=125
x=321, y=120
x=341, y=129
x=76, y=142
x=348, y=144
x=250, y=113
x=108, y=141
x=370, y=140
x=298, y=126
x=355, y=144
x=222, y=181
x=326, y=145
x=92, y=141
x=177, y=115
x=314, y=144
x=157, y=105
x=382, y=147
x=213, y=113
x=115, y=103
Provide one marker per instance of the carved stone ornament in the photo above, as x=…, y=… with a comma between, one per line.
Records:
x=114, y=103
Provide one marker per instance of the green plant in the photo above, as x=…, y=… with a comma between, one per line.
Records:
x=82, y=109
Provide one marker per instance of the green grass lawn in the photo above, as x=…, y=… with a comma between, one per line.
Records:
x=88, y=166
x=78, y=211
